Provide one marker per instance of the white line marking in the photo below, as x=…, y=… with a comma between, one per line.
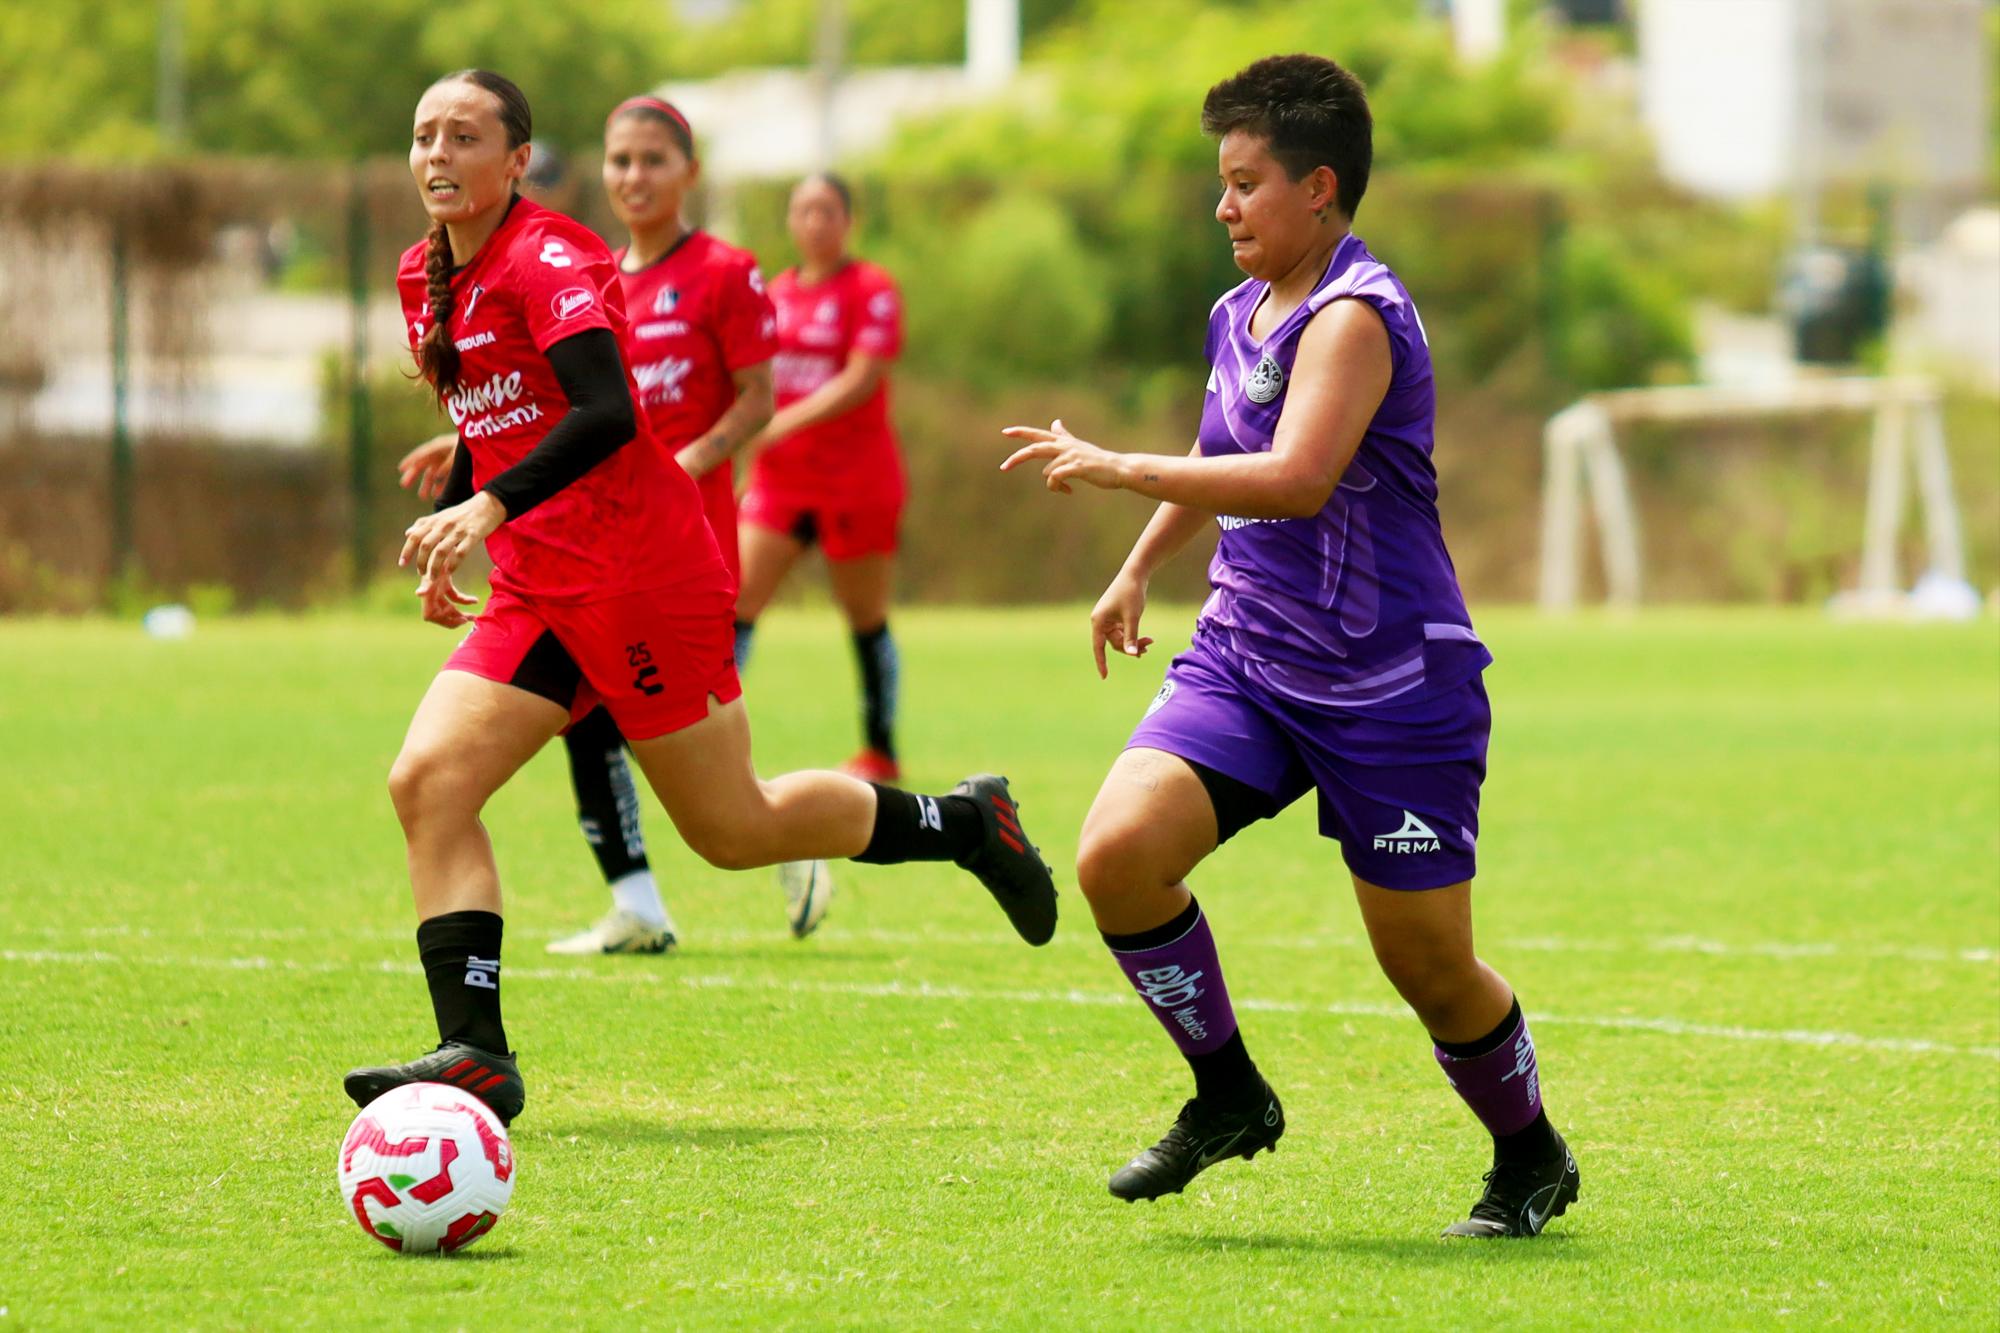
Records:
x=925, y=990
x=1664, y=944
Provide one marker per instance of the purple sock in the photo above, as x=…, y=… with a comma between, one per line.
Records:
x=1496, y=1075
x=1175, y=971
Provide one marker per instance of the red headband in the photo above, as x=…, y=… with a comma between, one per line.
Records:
x=667, y=109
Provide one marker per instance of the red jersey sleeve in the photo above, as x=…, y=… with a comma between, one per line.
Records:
x=413, y=291
x=878, y=328
x=561, y=284
x=746, y=324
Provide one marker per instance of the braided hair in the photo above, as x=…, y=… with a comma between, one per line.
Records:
x=437, y=355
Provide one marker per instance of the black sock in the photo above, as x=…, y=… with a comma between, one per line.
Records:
x=881, y=670
x=1535, y=1142
x=1227, y=1077
x=921, y=828
x=461, y=956
x=746, y=634
x=607, y=804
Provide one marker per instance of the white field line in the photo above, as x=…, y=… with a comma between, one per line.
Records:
x=1663, y=944
x=924, y=990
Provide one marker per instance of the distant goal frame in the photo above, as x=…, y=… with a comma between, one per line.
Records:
x=1580, y=456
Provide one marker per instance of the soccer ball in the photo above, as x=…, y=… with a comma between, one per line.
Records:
x=808, y=887
x=426, y=1167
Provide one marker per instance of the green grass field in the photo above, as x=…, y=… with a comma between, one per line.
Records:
x=1743, y=868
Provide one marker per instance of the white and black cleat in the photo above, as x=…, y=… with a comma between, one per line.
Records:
x=808, y=887
x=620, y=931
x=1522, y=1197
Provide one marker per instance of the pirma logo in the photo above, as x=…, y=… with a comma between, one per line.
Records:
x=572, y=302
x=1414, y=836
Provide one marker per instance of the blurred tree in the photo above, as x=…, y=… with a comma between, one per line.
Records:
x=336, y=78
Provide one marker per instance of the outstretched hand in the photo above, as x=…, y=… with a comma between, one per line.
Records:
x=1065, y=458
x=427, y=467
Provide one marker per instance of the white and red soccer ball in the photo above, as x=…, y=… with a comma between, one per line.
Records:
x=426, y=1167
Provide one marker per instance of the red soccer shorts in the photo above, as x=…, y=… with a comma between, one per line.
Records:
x=651, y=658
x=844, y=531
x=718, y=502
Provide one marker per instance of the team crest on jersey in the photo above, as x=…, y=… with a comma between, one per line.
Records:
x=827, y=311
x=1266, y=382
x=664, y=303
x=1160, y=699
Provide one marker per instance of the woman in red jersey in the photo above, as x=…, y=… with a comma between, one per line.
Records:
x=699, y=345
x=827, y=467
x=607, y=588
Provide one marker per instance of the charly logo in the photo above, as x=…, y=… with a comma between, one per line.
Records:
x=1265, y=382
x=572, y=302
x=1160, y=699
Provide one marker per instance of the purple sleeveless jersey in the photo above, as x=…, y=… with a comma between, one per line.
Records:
x=1357, y=606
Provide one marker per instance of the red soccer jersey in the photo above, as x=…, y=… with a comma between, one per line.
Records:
x=632, y=522
x=699, y=314
x=851, y=459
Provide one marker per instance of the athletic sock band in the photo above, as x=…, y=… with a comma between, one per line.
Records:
x=881, y=672
x=1174, y=968
x=1497, y=1075
x=461, y=958
x=909, y=827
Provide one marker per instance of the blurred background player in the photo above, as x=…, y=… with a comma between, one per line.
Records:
x=1335, y=652
x=607, y=588
x=827, y=468
x=699, y=347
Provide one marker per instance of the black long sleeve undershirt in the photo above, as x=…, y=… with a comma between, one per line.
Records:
x=599, y=423
x=458, y=485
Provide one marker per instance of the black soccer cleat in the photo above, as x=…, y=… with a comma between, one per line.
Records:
x=1008, y=864
x=1200, y=1138
x=1521, y=1197
x=494, y=1079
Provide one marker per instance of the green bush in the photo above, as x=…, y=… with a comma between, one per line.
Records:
x=1011, y=295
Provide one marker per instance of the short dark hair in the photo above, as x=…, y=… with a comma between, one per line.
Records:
x=838, y=184
x=1312, y=112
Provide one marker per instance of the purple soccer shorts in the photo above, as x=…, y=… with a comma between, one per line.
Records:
x=1398, y=786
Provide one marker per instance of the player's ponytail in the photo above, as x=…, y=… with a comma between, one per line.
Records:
x=437, y=354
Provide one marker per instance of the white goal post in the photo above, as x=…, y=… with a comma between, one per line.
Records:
x=1580, y=453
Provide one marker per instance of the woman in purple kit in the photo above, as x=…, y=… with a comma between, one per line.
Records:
x=1334, y=654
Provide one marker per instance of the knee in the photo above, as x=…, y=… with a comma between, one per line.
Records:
x=1432, y=981
x=1115, y=858
x=726, y=844
x=424, y=788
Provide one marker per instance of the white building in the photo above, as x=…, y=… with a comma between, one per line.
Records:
x=1751, y=98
